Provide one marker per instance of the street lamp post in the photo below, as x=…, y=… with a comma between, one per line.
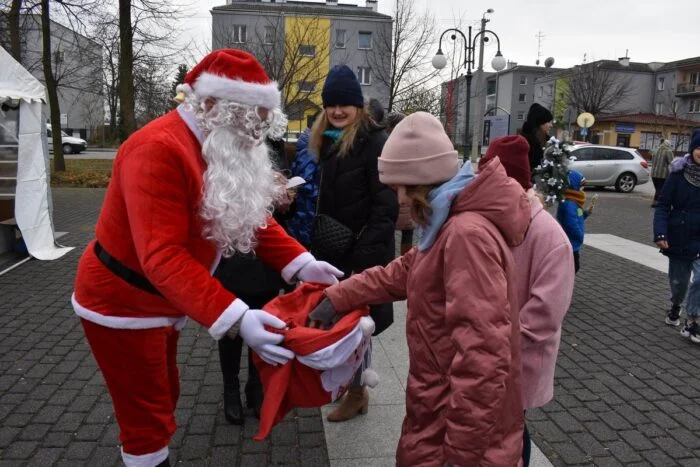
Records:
x=498, y=63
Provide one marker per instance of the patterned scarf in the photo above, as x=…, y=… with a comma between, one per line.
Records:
x=692, y=174
x=577, y=196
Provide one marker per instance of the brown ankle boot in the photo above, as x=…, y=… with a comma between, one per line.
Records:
x=354, y=403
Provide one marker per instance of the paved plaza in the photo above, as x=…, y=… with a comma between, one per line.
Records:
x=626, y=390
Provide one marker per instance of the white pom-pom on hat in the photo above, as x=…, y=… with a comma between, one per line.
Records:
x=367, y=326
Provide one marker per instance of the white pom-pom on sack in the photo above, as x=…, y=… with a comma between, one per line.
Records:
x=369, y=378
x=367, y=325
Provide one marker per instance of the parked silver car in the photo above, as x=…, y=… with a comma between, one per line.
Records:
x=623, y=168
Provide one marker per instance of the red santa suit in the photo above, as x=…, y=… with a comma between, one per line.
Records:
x=150, y=224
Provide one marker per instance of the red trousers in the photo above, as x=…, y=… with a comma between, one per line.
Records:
x=140, y=369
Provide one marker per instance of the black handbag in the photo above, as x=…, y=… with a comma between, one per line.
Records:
x=331, y=239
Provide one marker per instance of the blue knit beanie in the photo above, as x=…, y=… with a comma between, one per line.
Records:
x=342, y=88
x=695, y=142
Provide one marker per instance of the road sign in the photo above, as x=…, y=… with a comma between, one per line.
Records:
x=585, y=120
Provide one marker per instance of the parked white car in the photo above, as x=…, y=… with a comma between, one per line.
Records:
x=623, y=168
x=71, y=144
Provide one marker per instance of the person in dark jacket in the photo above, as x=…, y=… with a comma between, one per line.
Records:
x=677, y=233
x=349, y=143
x=256, y=283
x=536, y=130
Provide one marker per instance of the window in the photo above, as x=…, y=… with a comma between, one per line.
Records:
x=617, y=155
x=491, y=87
x=659, y=108
x=363, y=75
x=306, y=86
x=680, y=143
x=694, y=77
x=589, y=154
x=238, y=34
x=522, y=97
x=269, y=34
x=365, y=40
x=340, y=38
x=540, y=92
x=674, y=107
x=523, y=80
x=660, y=84
x=649, y=141
x=307, y=50
x=694, y=106
x=521, y=115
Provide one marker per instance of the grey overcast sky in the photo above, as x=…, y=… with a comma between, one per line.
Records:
x=652, y=30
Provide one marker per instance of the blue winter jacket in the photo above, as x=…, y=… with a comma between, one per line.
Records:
x=305, y=165
x=571, y=216
x=677, y=216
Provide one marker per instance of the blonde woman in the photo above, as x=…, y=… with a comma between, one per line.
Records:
x=348, y=144
x=463, y=393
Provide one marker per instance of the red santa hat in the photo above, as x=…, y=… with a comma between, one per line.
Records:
x=233, y=75
x=325, y=363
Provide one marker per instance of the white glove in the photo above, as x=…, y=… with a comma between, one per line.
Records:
x=319, y=272
x=262, y=341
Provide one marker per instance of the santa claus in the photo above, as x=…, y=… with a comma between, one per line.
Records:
x=187, y=188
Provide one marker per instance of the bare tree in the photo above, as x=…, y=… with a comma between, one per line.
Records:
x=420, y=99
x=153, y=96
x=295, y=54
x=401, y=60
x=127, y=107
x=51, y=88
x=13, y=20
x=596, y=89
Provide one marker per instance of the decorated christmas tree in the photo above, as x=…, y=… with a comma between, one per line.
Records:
x=552, y=175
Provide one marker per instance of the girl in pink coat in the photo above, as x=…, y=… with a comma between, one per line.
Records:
x=545, y=281
x=463, y=395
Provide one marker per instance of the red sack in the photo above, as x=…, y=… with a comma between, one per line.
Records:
x=325, y=363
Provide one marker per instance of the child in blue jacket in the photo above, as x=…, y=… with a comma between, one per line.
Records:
x=305, y=165
x=571, y=214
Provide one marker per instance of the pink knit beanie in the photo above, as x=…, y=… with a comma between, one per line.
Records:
x=418, y=152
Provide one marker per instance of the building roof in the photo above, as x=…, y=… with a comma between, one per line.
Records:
x=303, y=8
x=529, y=69
x=687, y=62
x=649, y=119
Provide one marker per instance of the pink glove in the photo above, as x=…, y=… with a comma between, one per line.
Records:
x=319, y=272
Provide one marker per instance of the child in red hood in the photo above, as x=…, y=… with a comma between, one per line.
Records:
x=463, y=396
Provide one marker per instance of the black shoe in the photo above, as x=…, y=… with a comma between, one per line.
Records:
x=254, y=398
x=233, y=409
x=672, y=316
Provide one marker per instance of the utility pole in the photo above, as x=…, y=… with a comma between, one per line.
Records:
x=479, y=110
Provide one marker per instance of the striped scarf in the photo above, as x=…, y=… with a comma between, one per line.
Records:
x=692, y=173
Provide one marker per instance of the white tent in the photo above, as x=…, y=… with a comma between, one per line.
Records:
x=33, y=191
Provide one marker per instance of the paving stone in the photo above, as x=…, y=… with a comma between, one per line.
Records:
x=20, y=450
x=673, y=448
x=570, y=453
x=47, y=456
x=600, y=431
x=636, y=439
x=623, y=451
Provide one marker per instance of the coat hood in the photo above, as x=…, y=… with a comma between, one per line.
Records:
x=498, y=198
x=575, y=180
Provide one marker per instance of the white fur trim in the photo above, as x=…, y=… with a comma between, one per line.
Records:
x=191, y=122
x=336, y=354
x=240, y=92
x=228, y=318
x=295, y=265
x=130, y=322
x=145, y=460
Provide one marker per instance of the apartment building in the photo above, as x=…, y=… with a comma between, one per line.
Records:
x=77, y=65
x=298, y=42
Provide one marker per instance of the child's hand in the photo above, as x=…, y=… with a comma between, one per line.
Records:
x=663, y=244
x=589, y=211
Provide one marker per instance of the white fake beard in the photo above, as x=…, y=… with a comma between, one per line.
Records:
x=239, y=190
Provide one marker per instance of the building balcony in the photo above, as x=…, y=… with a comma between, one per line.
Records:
x=687, y=89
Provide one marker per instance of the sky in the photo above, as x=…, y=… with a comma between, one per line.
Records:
x=651, y=30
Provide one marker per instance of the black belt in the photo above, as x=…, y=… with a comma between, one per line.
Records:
x=123, y=271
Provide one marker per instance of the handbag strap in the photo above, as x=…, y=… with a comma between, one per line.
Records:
x=320, y=185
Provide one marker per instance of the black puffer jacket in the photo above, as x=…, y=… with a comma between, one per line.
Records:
x=352, y=194
x=536, y=145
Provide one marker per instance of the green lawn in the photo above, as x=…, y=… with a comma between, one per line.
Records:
x=87, y=173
